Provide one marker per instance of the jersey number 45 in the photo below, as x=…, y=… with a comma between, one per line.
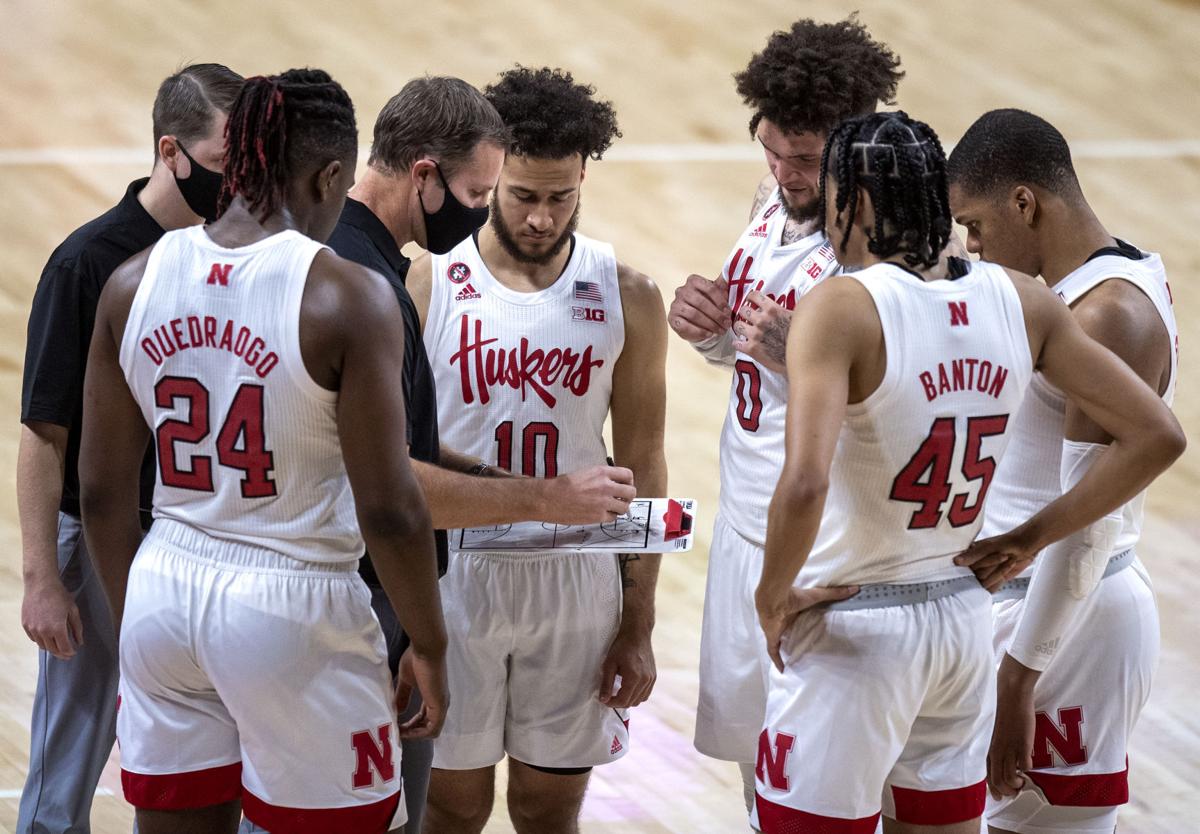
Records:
x=925, y=479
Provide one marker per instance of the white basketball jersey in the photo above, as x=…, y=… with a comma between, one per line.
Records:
x=524, y=379
x=247, y=441
x=752, y=438
x=915, y=459
x=1029, y=478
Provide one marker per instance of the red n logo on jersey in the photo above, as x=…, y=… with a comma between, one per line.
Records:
x=958, y=313
x=371, y=758
x=775, y=764
x=220, y=274
x=1065, y=737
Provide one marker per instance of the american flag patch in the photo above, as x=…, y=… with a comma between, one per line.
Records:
x=588, y=291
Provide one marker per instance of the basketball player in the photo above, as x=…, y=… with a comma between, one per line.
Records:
x=535, y=332
x=904, y=381
x=264, y=363
x=435, y=137
x=1065, y=708
x=805, y=82
x=64, y=610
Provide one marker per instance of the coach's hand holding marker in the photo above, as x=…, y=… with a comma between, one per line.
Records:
x=701, y=309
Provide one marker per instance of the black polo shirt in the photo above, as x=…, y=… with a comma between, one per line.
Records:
x=361, y=237
x=61, y=323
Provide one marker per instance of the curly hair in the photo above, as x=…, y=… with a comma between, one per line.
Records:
x=552, y=117
x=901, y=164
x=815, y=75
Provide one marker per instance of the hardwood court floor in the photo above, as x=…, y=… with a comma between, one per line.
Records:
x=83, y=75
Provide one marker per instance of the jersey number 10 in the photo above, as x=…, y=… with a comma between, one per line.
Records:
x=535, y=432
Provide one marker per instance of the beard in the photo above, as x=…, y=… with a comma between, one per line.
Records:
x=805, y=212
x=508, y=240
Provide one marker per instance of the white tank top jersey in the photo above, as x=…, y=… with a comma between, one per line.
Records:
x=914, y=460
x=247, y=441
x=752, y=437
x=524, y=379
x=1029, y=478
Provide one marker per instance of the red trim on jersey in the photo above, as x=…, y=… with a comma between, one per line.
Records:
x=780, y=819
x=939, y=807
x=179, y=791
x=354, y=819
x=1083, y=790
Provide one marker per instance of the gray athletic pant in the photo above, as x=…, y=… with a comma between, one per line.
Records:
x=74, y=707
x=416, y=757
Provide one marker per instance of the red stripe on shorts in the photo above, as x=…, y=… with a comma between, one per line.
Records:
x=939, y=807
x=1083, y=790
x=779, y=819
x=178, y=791
x=354, y=819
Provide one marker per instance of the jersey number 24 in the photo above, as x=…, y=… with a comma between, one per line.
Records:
x=243, y=423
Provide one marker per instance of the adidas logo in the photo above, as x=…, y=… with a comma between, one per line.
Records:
x=467, y=293
x=761, y=231
x=616, y=747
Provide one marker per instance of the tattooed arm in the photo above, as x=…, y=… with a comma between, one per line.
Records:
x=761, y=331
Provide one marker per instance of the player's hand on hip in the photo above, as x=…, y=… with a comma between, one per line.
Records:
x=428, y=676
x=51, y=618
x=761, y=330
x=777, y=613
x=700, y=309
x=998, y=559
x=1011, y=751
x=628, y=668
x=590, y=496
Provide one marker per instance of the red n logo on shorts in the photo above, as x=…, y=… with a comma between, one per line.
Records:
x=1067, y=739
x=775, y=763
x=219, y=274
x=371, y=758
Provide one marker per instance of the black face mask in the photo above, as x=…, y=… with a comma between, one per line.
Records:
x=452, y=223
x=201, y=189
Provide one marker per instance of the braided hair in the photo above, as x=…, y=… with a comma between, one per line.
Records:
x=901, y=164
x=279, y=126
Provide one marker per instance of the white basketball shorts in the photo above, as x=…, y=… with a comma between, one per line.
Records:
x=1087, y=702
x=879, y=709
x=528, y=633
x=246, y=674
x=733, y=651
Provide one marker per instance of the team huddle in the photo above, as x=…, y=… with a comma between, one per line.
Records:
x=932, y=468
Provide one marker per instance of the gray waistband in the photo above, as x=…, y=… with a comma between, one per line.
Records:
x=1017, y=588
x=887, y=596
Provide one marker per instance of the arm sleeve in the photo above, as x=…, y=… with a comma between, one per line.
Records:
x=60, y=329
x=718, y=350
x=1066, y=573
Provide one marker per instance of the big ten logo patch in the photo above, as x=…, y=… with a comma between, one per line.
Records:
x=587, y=314
x=458, y=272
x=372, y=758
